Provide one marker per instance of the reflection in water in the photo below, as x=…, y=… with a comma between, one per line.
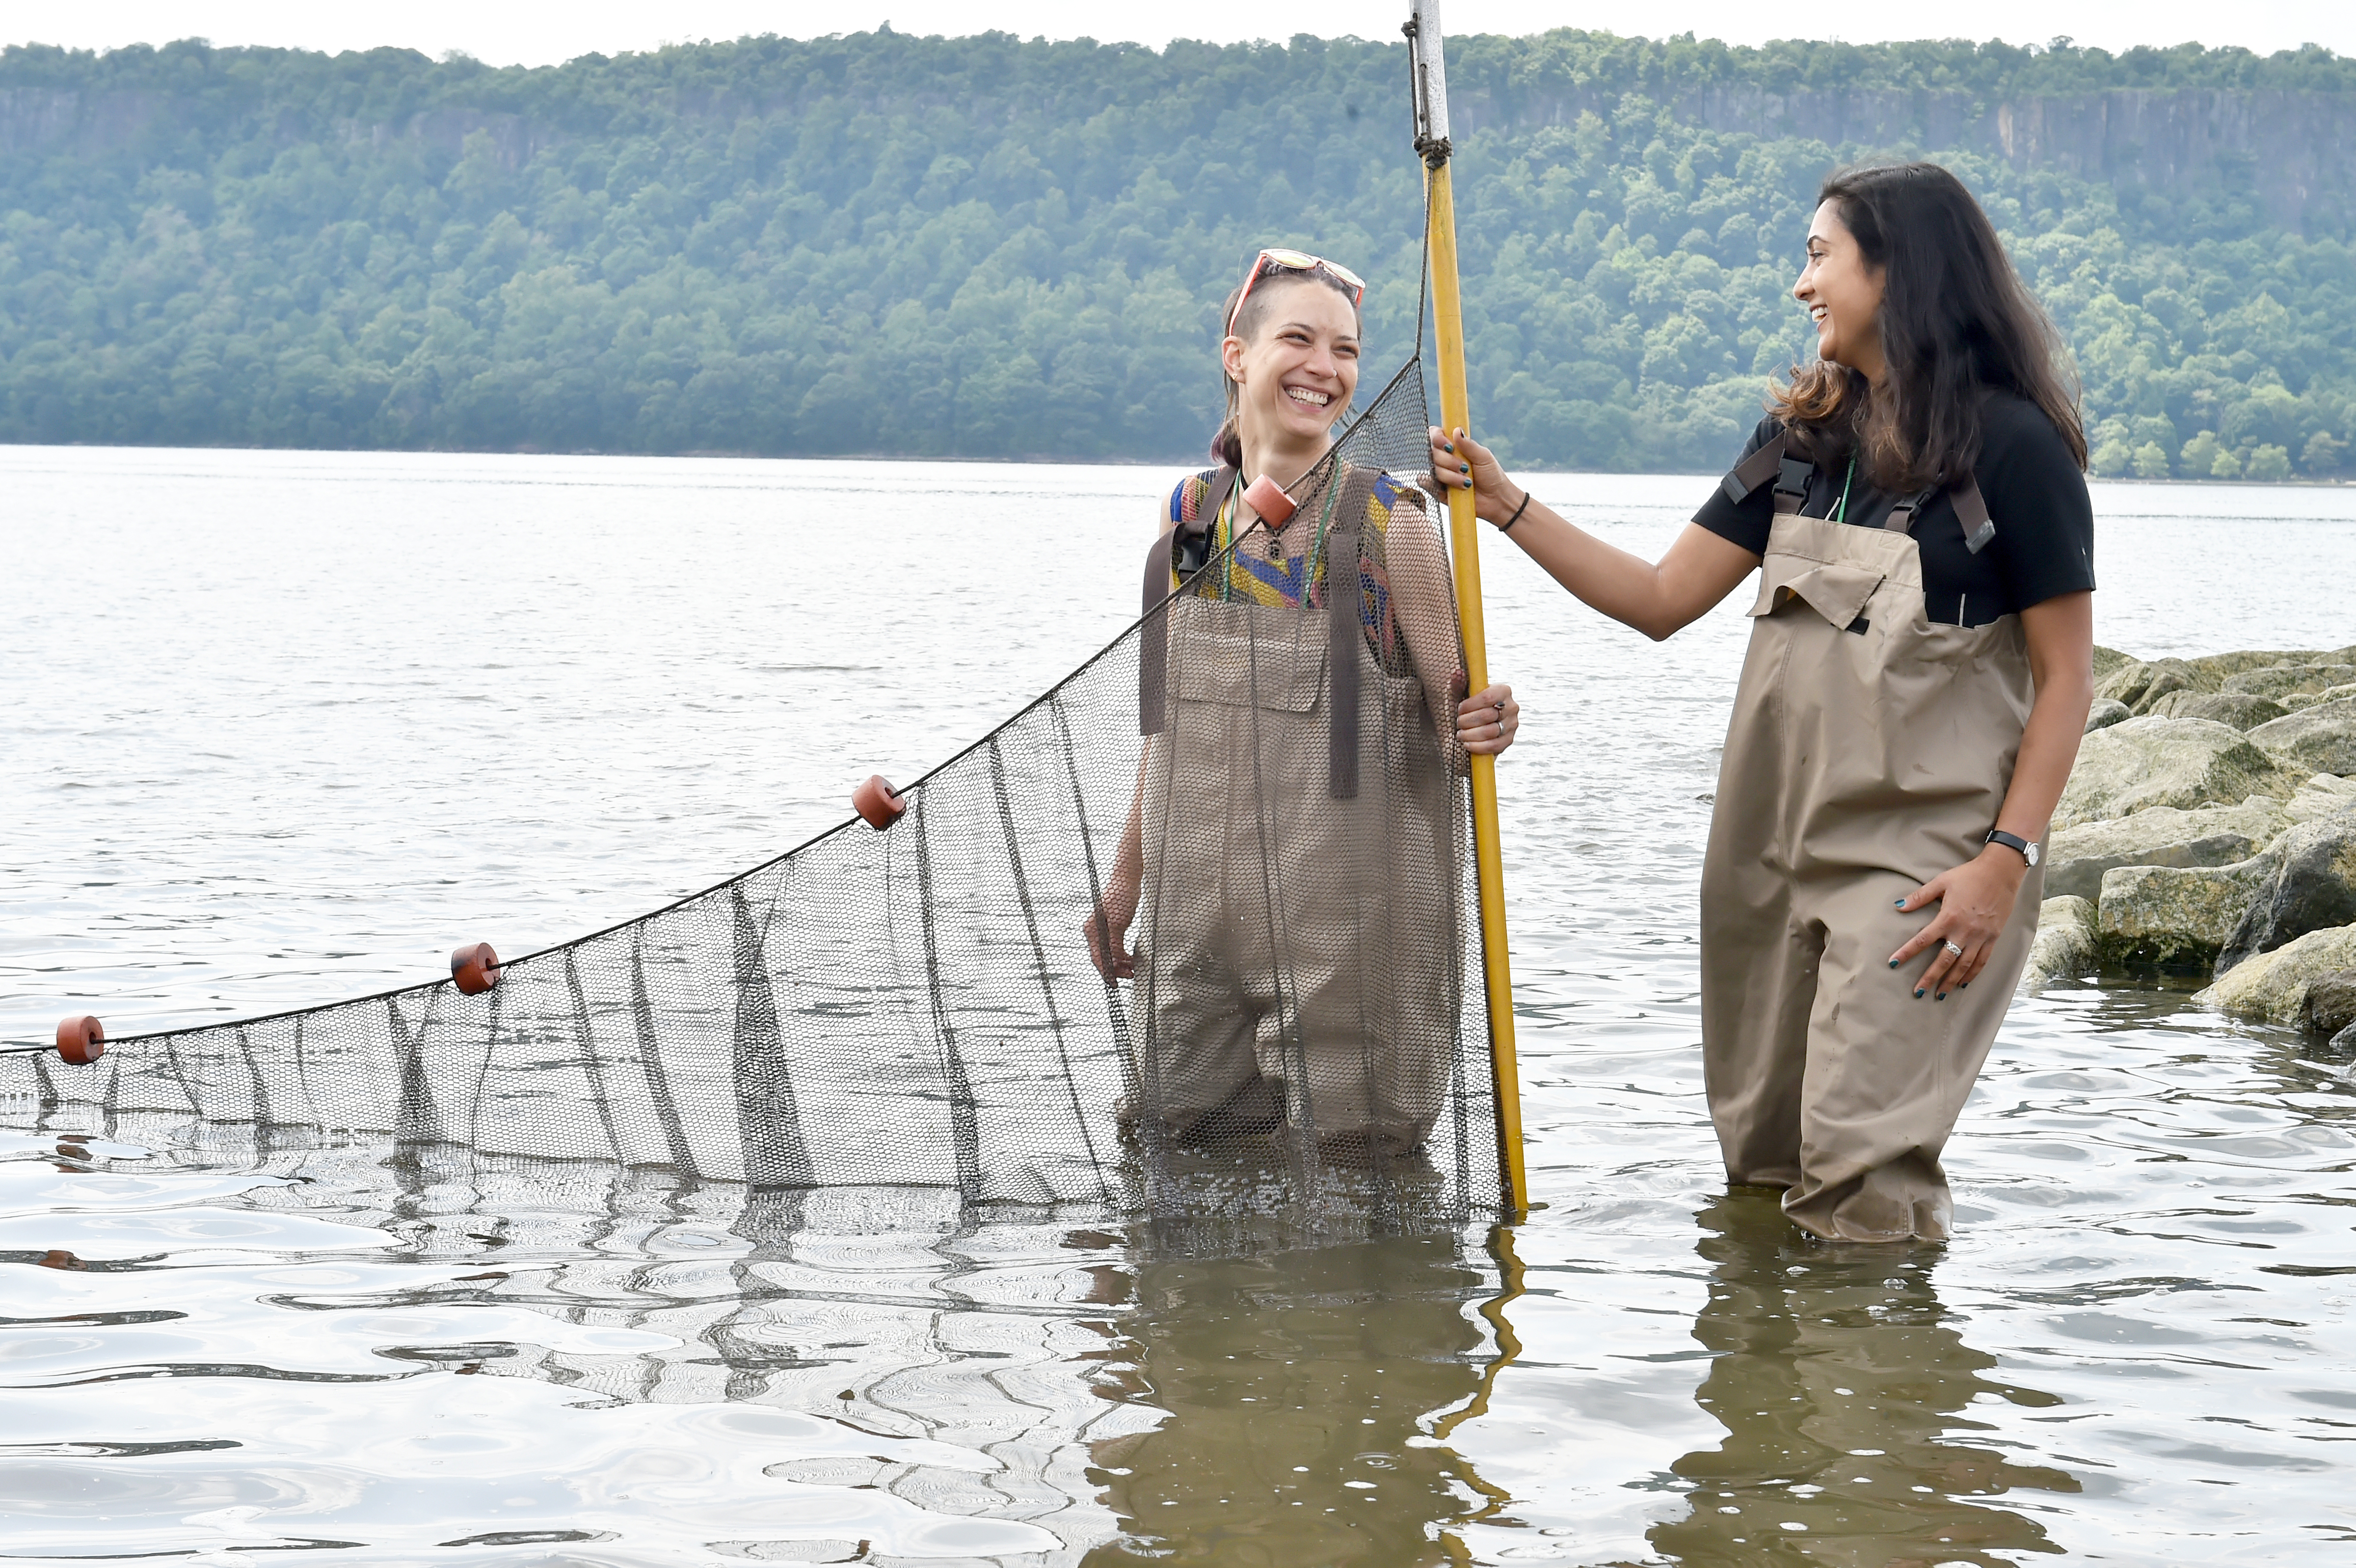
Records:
x=1839, y=1379
x=2157, y=1222
x=1299, y=1386
x=892, y=1379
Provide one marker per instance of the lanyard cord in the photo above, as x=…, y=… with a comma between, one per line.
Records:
x=1317, y=549
x=1840, y=512
x=1222, y=536
x=1223, y=529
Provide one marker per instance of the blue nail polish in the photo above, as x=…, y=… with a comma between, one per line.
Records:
x=1899, y=902
x=1941, y=996
x=1961, y=986
x=1893, y=963
x=1918, y=990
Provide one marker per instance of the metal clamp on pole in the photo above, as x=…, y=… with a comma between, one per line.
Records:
x=1428, y=61
x=1426, y=56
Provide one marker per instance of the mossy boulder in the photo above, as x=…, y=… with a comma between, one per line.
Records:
x=2210, y=671
x=2282, y=680
x=2177, y=917
x=2235, y=709
x=2325, y=794
x=2298, y=699
x=2064, y=947
x=2076, y=857
x=2311, y=888
x=2317, y=739
x=2106, y=711
x=2331, y=1004
x=2273, y=988
x=2140, y=682
x=2183, y=763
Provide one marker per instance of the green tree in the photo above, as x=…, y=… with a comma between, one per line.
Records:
x=990, y=248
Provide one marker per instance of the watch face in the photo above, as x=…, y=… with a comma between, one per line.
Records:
x=2032, y=853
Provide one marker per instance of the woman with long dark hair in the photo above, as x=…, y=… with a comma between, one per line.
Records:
x=1918, y=679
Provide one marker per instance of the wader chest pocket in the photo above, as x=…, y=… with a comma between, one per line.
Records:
x=1245, y=654
x=1836, y=591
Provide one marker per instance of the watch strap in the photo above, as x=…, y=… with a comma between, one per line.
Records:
x=2012, y=842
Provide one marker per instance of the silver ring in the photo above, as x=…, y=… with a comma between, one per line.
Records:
x=1956, y=950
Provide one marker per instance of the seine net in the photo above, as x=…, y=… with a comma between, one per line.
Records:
x=1265, y=761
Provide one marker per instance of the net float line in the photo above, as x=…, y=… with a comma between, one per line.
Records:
x=81, y=1041
x=475, y=966
x=878, y=804
x=1267, y=498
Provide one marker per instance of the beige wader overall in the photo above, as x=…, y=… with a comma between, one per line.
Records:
x=1869, y=750
x=1298, y=938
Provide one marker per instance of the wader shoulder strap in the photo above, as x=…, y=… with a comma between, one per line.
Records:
x=1344, y=618
x=1153, y=636
x=1970, y=511
x=1790, y=473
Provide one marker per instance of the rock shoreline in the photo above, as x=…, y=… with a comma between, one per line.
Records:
x=2209, y=827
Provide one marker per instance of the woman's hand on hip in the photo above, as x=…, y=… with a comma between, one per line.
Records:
x=1974, y=899
x=1487, y=721
x=1458, y=460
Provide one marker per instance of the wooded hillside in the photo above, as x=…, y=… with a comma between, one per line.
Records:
x=983, y=247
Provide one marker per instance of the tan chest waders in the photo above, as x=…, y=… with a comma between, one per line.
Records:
x=1869, y=751
x=1299, y=922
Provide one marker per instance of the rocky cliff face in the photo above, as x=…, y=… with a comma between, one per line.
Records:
x=49, y=121
x=2293, y=152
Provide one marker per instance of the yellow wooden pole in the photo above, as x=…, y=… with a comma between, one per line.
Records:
x=1464, y=545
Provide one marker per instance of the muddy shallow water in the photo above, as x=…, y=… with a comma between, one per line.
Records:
x=287, y=727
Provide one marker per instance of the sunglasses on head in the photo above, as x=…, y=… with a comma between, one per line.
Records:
x=1279, y=261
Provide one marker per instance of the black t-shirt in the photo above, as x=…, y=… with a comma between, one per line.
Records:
x=2044, y=543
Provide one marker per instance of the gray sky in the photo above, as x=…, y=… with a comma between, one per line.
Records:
x=543, y=33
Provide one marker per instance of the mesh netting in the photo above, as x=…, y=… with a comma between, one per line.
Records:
x=918, y=1005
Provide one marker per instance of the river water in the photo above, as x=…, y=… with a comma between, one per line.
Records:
x=285, y=727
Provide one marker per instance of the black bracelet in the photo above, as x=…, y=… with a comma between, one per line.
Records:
x=1507, y=526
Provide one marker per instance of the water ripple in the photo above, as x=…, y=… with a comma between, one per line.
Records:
x=291, y=770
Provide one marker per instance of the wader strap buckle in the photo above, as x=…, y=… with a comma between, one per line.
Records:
x=1153, y=636
x=1901, y=515
x=1971, y=511
x=1791, y=485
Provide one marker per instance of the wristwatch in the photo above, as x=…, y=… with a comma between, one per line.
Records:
x=2012, y=842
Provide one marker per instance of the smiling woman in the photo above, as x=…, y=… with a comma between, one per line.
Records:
x=1268, y=701
x=1919, y=677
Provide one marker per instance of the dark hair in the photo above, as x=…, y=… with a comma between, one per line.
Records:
x=1227, y=445
x=1956, y=321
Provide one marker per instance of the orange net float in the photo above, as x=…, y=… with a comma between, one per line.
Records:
x=80, y=1041
x=474, y=968
x=1269, y=499
x=878, y=802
